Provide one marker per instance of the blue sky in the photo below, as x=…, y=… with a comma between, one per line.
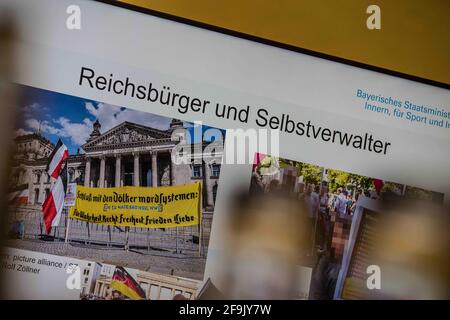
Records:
x=71, y=118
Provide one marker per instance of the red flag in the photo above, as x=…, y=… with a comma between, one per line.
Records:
x=257, y=159
x=54, y=203
x=378, y=184
x=56, y=159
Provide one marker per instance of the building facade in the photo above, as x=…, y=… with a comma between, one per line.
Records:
x=126, y=155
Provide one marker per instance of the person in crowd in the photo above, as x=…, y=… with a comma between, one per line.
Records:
x=324, y=277
x=324, y=219
x=301, y=191
x=314, y=213
x=109, y=294
x=340, y=203
x=323, y=203
x=256, y=185
x=335, y=201
x=315, y=201
x=332, y=201
x=353, y=207
x=116, y=295
x=306, y=198
x=349, y=204
x=274, y=186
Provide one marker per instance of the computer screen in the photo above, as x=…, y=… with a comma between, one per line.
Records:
x=134, y=131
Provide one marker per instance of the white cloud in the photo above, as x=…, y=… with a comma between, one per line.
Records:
x=31, y=107
x=108, y=115
x=22, y=132
x=32, y=124
x=34, y=108
x=77, y=132
x=64, y=128
x=43, y=126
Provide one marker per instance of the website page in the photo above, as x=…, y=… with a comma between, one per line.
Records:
x=173, y=162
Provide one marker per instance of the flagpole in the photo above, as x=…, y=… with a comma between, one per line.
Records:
x=127, y=238
x=200, y=235
x=200, y=229
x=59, y=154
x=176, y=239
x=66, y=238
x=67, y=227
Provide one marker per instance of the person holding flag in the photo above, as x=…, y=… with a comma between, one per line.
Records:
x=123, y=282
x=54, y=203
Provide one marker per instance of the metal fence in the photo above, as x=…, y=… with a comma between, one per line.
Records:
x=26, y=222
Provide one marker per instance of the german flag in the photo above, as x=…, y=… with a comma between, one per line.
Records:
x=123, y=282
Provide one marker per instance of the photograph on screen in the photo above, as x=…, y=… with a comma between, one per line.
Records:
x=330, y=198
x=96, y=181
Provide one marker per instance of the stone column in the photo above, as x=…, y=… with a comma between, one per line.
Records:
x=118, y=176
x=87, y=173
x=41, y=197
x=154, y=169
x=101, y=180
x=20, y=179
x=136, y=170
x=172, y=172
x=208, y=186
x=96, y=288
x=30, y=185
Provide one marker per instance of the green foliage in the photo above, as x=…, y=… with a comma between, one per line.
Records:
x=361, y=182
x=341, y=179
x=392, y=187
x=337, y=179
x=312, y=174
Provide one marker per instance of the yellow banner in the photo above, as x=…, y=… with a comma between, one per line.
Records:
x=143, y=207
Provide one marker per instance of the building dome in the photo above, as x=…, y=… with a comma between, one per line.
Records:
x=96, y=131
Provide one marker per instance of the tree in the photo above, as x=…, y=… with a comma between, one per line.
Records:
x=337, y=179
x=311, y=173
x=267, y=165
x=341, y=179
x=392, y=187
x=360, y=182
x=290, y=163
